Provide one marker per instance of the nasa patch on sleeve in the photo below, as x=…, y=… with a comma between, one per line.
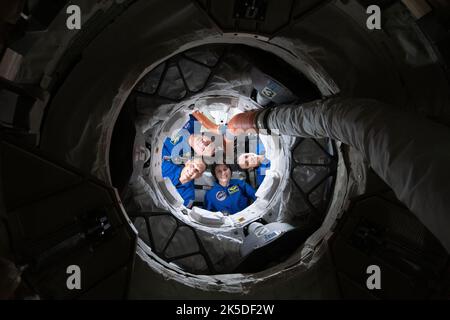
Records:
x=175, y=139
x=221, y=195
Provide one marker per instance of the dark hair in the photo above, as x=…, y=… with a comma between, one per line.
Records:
x=213, y=169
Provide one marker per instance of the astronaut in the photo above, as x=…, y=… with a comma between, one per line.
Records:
x=177, y=163
x=228, y=195
x=180, y=145
x=245, y=161
x=256, y=161
x=394, y=142
x=183, y=177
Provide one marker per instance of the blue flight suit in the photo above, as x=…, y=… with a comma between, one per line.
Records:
x=260, y=172
x=179, y=147
x=186, y=190
x=234, y=198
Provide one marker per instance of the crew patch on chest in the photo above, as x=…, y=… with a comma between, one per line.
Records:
x=233, y=189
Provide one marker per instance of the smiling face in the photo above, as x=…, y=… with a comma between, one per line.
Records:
x=202, y=145
x=193, y=169
x=223, y=174
x=249, y=160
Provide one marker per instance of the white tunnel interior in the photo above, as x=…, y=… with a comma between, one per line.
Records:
x=220, y=92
